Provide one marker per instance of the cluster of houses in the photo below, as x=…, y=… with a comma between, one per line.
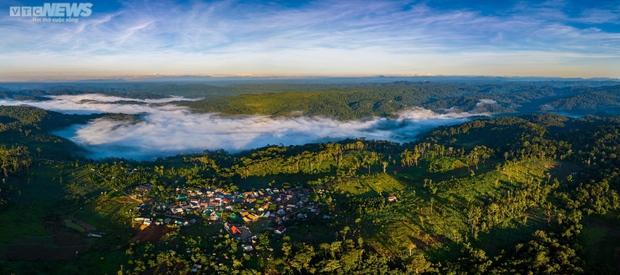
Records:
x=274, y=204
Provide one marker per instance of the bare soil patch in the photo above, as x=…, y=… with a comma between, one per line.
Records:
x=151, y=234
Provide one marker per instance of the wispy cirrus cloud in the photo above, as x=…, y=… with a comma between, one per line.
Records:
x=318, y=37
x=599, y=16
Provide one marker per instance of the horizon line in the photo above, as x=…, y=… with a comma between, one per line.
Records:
x=159, y=77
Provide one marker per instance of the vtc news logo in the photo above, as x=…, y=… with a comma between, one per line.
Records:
x=53, y=10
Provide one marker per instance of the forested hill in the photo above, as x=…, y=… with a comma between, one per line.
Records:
x=347, y=101
x=154, y=90
x=386, y=100
x=512, y=195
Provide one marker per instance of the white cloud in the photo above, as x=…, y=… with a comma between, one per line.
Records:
x=165, y=130
x=98, y=103
x=485, y=101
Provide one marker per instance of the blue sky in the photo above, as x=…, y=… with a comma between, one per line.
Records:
x=315, y=38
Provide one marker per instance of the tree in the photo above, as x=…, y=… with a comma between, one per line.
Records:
x=412, y=246
x=344, y=232
x=417, y=263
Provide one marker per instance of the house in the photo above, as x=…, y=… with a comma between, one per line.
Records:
x=241, y=232
x=214, y=217
x=145, y=187
x=252, y=217
x=264, y=207
x=235, y=230
x=280, y=230
x=247, y=247
x=391, y=198
x=176, y=210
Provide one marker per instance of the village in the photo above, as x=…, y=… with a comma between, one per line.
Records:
x=232, y=210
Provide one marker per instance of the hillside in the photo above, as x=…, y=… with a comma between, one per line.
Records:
x=386, y=100
x=349, y=101
x=509, y=195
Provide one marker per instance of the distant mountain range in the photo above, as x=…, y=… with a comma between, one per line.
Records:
x=354, y=98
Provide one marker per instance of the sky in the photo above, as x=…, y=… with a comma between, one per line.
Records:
x=133, y=39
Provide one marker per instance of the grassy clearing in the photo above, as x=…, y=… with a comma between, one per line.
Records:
x=370, y=186
x=110, y=215
x=69, y=223
x=396, y=238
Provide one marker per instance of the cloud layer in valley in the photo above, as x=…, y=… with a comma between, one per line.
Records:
x=485, y=101
x=165, y=129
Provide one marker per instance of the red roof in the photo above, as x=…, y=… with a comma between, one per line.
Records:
x=234, y=230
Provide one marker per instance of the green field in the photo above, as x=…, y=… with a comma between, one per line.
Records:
x=69, y=223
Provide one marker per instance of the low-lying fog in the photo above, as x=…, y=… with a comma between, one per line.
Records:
x=164, y=129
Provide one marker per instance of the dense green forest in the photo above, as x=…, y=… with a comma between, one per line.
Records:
x=533, y=194
x=348, y=101
x=387, y=99
x=156, y=90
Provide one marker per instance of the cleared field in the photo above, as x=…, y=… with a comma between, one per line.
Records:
x=71, y=224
